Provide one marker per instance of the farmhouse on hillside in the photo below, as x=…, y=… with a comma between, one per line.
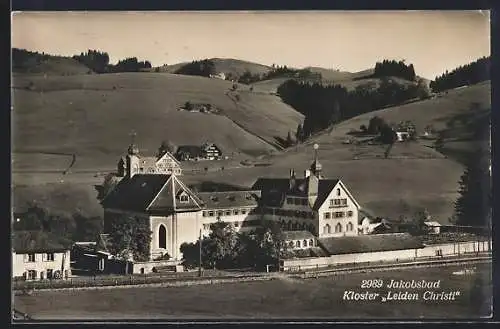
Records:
x=133, y=163
x=220, y=75
x=38, y=255
x=207, y=151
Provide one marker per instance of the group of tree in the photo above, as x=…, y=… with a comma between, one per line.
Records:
x=98, y=62
x=95, y=60
x=473, y=206
x=224, y=248
x=73, y=227
x=393, y=68
x=469, y=74
x=22, y=58
x=324, y=106
x=202, y=68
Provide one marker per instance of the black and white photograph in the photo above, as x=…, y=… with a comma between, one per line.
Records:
x=251, y=166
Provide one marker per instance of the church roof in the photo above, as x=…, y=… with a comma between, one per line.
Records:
x=274, y=190
x=229, y=199
x=136, y=193
x=151, y=193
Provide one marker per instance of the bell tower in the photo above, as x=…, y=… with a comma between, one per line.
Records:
x=132, y=157
x=316, y=166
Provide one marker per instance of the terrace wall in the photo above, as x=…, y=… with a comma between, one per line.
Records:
x=438, y=250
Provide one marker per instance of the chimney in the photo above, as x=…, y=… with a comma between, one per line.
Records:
x=307, y=173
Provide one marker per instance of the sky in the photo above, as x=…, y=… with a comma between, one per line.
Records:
x=433, y=41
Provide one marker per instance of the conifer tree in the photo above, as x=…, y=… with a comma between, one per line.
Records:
x=474, y=203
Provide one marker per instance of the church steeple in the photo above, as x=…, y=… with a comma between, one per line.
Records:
x=315, y=165
x=133, y=149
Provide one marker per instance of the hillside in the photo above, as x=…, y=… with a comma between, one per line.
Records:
x=56, y=114
x=36, y=63
x=234, y=67
x=414, y=176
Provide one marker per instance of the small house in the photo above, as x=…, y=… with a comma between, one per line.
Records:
x=211, y=151
x=38, y=255
x=433, y=227
x=299, y=240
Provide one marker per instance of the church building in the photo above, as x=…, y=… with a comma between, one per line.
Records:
x=176, y=214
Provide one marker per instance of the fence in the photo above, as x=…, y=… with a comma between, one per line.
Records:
x=428, y=252
x=112, y=280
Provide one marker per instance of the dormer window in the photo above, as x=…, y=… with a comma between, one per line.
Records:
x=183, y=197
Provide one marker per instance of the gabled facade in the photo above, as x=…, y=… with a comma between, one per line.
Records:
x=133, y=163
x=211, y=151
x=324, y=207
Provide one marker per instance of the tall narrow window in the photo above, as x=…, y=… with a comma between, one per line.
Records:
x=326, y=229
x=338, y=192
x=338, y=228
x=162, y=237
x=350, y=227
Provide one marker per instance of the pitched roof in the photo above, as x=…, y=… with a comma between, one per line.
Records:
x=135, y=193
x=297, y=235
x=229, y=199
x=147, y=162
x=169, y=155
x=273, y=187
x=168, y=198
x=37, y=242
x=370, y=243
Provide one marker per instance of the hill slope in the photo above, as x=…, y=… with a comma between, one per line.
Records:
x=414, y=176
x=235, y=67
x=93, y=115
x=35, y=63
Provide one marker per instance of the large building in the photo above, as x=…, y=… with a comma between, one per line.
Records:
x=324, y=207
x=38, y=255
x=134, y=163
x=176, y=214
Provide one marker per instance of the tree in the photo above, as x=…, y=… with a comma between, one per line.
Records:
x=107, y=186
x=188, y=106
x=166, y=146
x=474, y=203
x=130, y=236
x=299, y=135
x=289, y=140
x=423, y=90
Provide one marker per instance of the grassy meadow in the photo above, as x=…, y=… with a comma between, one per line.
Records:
x=92, y=116
x=281, y=298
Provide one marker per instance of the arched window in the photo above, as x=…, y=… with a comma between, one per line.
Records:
x=290, y=244
x=338, y=228
x=311, y=243
x=297, y=243
x=162, y=237
x=304, y=243
x=326, y=229
x=338, y=192
x=350, y=227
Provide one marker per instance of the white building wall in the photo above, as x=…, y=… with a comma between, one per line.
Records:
x=235, y=220
x=20, y=264
x=449, y=249
x=332, y=221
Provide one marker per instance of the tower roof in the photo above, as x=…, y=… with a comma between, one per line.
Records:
x=315, y=165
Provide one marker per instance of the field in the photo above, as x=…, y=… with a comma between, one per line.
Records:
x=414, y=176
x=282, y=298
x=58, y=114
